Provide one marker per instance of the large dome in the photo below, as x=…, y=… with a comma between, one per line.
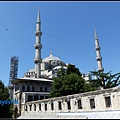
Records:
x=51, y=57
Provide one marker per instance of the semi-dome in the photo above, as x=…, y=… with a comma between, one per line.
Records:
x=30, y=73
x=58, y=67
x=31, y=70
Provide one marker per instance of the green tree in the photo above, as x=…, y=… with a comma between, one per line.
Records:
x=72, y=69
x=69, y=83
x=88, y=87
x=105, y=80
x=5, y=110
x=61, y=72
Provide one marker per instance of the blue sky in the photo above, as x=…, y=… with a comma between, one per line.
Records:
x=68, y=29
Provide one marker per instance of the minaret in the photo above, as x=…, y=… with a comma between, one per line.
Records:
x=98, y=56
x=38, y=47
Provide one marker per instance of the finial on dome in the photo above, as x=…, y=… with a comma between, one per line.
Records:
x=94, y=69
x=59, y=55
x=50, y=52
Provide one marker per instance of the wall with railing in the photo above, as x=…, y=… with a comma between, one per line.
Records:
x=100, y=100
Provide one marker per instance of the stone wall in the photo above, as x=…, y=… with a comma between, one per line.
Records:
x=100, y=100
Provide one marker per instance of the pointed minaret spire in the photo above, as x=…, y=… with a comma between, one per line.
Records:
x=98, y=56
x=95, y=33
x=38, y=17
x=38, y=47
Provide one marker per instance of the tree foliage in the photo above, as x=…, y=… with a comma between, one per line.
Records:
x=61, y=72
x=72, y=69
x=69, y=83
x=5, y=111
x=105, y=80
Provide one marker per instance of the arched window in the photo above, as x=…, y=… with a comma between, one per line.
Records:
x=36, y=97
x=108, y=101
x=52, y=106
x=59, y=105
x=68, y=104
x=40, y=106
x=79, y=104
x=33, y=89
x=34, y=107
x=23, y=88
x=45, y=89
x=45, y=106
x=92, y=103
x=25, y=107
x=28, y=88
x=30, y=107
x=41, y=89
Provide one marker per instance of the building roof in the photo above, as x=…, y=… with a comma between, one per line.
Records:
x=31, y=79
x=71, y=115
x=96, y=114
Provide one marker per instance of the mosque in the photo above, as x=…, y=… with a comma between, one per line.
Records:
x=49, y=67
x=36, y=82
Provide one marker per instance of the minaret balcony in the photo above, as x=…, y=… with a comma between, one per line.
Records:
x=38, y=33
x=97, y=48
x=38, y=46
x=98, y=58
x=37, y=60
